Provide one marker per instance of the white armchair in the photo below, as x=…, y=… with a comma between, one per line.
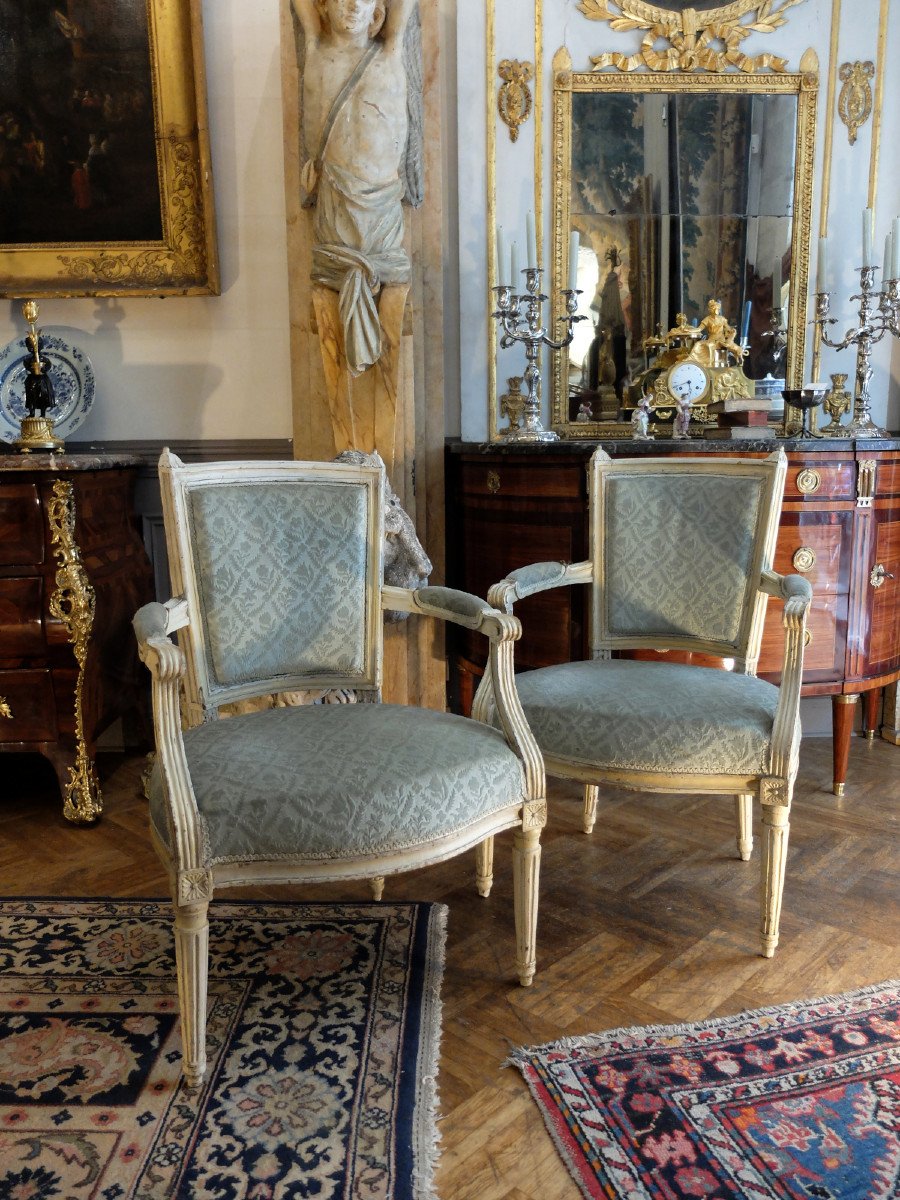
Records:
x=277, y=573
x=681, y=552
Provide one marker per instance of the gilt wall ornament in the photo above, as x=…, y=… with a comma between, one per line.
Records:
x=709, y=40
x=514, y=98
x=855, y=99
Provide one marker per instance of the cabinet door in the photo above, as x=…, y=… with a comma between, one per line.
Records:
x=877, y=645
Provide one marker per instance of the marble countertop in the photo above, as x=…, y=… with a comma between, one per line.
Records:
x=662, y=446
x=65, y=462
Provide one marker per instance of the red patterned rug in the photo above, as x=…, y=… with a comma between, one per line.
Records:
x=323, y=1032
x=799, y=1102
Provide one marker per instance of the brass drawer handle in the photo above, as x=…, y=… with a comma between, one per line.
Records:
x=808, y=481
x=879, y=575
x=807, y=637
x=493, y=481
x=804, y=559
x=5, y=710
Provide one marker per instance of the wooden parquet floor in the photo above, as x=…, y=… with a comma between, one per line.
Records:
x=650, y=919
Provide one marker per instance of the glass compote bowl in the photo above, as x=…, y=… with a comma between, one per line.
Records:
x=807, y=398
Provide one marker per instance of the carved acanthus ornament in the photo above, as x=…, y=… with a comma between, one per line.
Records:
x=74, y=604
x=855, y=100
x=5, y=710
x=514, y=98
x=708, y=41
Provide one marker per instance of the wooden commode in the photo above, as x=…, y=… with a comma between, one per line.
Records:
x=73, y=572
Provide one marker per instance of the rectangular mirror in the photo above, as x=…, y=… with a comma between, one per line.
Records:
x=682, y=188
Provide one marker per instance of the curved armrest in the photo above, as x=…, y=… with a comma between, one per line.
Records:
x=459, y=608
x=537, y=577
x=797, y=593
x=502, y=629
x=166, y=662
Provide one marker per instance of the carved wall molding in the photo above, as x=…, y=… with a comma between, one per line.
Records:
x=514, y=102
x=708, y=40
x=855, y=99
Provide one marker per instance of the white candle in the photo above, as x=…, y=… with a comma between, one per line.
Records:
x=888, y=259
x=822, y=270
x=499, y=256
x=868, y=237
x=776, y=284
x=514, y=264
x=574, y=240
x=895, y=249
x=531, y=240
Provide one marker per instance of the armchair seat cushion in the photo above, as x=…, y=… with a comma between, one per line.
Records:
x=332, y=781
x=633, y=715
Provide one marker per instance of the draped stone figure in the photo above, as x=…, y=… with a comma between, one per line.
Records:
x=361, y=155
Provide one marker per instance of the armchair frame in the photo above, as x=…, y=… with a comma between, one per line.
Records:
x=180, y=673
x=773, y=789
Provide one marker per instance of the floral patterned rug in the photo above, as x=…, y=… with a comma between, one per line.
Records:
x=324, y=1022
x=799, y=1102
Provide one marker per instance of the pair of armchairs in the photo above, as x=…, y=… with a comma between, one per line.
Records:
x=277, y=573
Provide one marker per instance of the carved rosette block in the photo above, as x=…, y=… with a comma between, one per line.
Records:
x=74, y=604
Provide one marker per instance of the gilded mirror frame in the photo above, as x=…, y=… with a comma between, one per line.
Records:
x=802, y=84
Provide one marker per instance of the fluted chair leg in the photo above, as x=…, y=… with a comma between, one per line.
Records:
x=776, y=829
x=591, y=796
x=377, y=886
x=743, y=808
x=484, y=866
x=526, y=877
x=192, y=962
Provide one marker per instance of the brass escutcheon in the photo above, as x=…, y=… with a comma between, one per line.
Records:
x=5, y=710
x=804, y=559
x=878, y=575
x=808, y=481
x=493, y=481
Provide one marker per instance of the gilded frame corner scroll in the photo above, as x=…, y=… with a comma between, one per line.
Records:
x=804, y=84
x=184, y=259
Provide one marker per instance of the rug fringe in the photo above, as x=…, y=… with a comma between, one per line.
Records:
x=426, y=1135
x=590, y=1041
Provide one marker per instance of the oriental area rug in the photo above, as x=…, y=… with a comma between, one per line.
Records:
x=323, y=1031
x=799, y=1102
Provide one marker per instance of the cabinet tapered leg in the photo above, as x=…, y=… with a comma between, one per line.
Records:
x=871, y=712
x=843, y=712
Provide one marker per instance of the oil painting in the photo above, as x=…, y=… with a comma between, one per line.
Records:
x=105, y=179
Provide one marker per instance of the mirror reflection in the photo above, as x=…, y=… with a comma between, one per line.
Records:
x=679, y=197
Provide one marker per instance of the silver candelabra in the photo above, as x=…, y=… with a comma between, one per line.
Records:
x=520, y=318
x=879, y=313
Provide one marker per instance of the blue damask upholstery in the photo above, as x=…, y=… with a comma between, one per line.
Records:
x=651, y=716
x=282, y=577
x=332, y=781
x=654, y=526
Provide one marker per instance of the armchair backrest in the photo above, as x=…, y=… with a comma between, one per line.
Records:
x=678, y=546
x=281, y=566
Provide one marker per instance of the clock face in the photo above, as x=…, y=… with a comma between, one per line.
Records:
x=687, y=381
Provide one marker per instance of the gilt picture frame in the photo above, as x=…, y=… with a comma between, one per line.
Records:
x=105, y=172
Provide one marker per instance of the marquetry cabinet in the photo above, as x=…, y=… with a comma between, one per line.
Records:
x=73, y=571
x=840, y=526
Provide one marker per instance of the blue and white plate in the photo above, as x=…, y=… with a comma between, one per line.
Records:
x=72, y=377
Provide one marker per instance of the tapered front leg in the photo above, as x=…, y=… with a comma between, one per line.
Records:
x=743, y=811
x=774, y=859
x=484, y=866
x=526, y=877
x=192, y=962
x=591, y=796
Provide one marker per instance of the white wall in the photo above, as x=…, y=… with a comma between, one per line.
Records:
x=808, y=25
x=217, y=366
